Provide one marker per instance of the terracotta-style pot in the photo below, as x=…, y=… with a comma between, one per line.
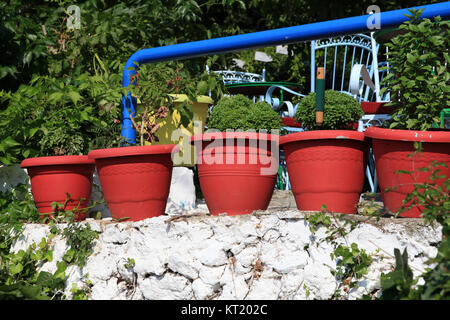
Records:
x=135, y=180
x=326, y=167
x=237, y=170
x=376, y=107
x=392, y=147
x=53, y=177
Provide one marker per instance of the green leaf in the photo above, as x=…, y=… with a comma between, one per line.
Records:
x=15, y=268
x=34, y=292
x=60, y=271
x=75, y=97
x=55, y=97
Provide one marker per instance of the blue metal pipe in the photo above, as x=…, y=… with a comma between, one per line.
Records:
x=283, y=36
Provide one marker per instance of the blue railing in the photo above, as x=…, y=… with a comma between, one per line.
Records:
x=283, y=36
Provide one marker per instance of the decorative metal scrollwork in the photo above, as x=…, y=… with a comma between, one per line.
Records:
x=230, y=77
x=360, y=40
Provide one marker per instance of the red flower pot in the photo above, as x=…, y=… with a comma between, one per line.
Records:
x=290, y=122
x=376, y=108
x=326, y=167
x=391, y=148
x=237, y=170
x=135, y=180
x=52, y=177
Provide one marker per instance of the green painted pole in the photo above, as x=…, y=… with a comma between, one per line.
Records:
x=320, y=95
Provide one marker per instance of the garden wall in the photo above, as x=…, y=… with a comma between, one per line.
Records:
x=266, y=255
x=273, y=254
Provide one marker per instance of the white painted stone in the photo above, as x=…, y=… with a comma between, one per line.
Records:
x=167, y=286
x=211, y=275
x=101, y=266
x=271, y=235
x=212, y=254
x=297, y=231
x=371, y=239
x=199, y=232
x=245, y=271
x=291, y=284
x=234, y=286
x=248, y=256
x=319, y=280
x=33, y=233
x=105, y=290
x=149, y=264
x=210, y=257
x=201, y=290
x=264, y=289
x=112, y=234
x=321, y=254
x=182, y=191
x=184, y=265
x=288, y=262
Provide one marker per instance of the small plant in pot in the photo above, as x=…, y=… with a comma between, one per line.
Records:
x=169, y=101
x=326, y=162
x=418, y=85
x=238, y=156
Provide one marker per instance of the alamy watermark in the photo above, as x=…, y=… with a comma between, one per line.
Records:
x=374, y=19
x=74, y=19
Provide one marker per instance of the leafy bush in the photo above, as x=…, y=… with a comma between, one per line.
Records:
x=239, y=113
x=59, y=117
x=20, y=277
x=352, y=263
x=418, y=77
x=340, y=111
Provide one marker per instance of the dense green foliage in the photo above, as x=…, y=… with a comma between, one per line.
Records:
x=340, y=111
x=20, y=277
x=49, y=116
x=157, y=89
x=418, y=79
x=239, y=113
x=35, y=39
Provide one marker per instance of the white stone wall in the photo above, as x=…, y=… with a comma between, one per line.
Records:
x=265, y=255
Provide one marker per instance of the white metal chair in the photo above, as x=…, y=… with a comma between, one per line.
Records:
x=357, y=59
x=358, y=49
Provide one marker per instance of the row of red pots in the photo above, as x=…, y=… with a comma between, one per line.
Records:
x=135, y=180
x=325, y=167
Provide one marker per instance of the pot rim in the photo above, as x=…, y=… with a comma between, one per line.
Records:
x=407, y=135
x=211, y=136
x=133, y=151
x=56, y=160
x=322, y=135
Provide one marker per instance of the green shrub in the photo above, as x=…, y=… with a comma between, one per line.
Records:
x=51, y=116
x=340, y=111
x=418, y=79
x=241, y=114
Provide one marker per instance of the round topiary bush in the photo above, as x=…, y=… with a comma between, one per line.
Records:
x=239, y=113
x=340, y=111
